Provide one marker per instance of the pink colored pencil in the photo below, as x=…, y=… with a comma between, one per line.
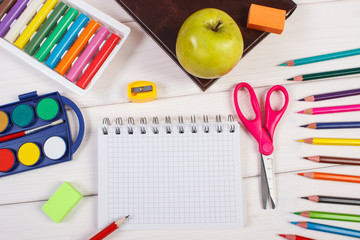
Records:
x=333, y=109
x=87, y=54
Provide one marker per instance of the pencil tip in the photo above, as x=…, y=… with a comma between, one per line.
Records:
x=296, y=213
x=282, y=235
x=304, y=126
x=127, y=216
x=295, y=223
x=301, y=174
x=290, y=79
x=300, y=111
x=307, y=198
x=300, y=140
x=283, y=64
x=302, y=100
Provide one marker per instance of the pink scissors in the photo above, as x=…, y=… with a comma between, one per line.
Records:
x=264, y=136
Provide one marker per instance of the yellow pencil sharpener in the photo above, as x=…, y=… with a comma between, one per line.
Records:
x=141, y=91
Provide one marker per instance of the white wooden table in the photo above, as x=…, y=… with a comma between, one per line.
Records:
x=317, y=26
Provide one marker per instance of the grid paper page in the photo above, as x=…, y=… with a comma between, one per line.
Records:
x=167, y=181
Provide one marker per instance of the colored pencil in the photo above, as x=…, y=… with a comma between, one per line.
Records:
x=30, y=131
x=336, y=73
x=294, y=237
x=331, y=141
x=331, y=177
x=109, y=229
x=332, y=95
x=332, y=125
x=334, y=160
x=328, y=229
x=334, y=200
x=332, y=109
x=98, y=60
x=322, y=57
x=330, y=216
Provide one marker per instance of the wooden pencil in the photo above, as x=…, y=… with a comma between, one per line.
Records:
x=109, y=229
x=332, y=95
x=333, y=200
x=334, y=160
x=332, y=125
x=330, y=74
x=330, y=216
x=331, y=141
x=331, y=177
x=294, y=237
x=322, y=57
x=328, y=229
x=332, y=109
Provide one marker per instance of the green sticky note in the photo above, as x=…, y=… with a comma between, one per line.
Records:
x=61, y=203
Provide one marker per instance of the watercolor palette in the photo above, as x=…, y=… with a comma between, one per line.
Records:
x=34, y=132
x=70, y=41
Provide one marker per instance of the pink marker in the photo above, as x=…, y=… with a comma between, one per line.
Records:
x=87, y=54
x=335, y=109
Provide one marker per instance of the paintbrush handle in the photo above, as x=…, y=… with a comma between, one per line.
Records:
x=12, y=136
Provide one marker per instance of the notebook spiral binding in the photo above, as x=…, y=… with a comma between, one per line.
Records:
x=168, y=127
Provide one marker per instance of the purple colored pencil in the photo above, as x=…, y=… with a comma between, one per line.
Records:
x=332, y=95
x=13, y=14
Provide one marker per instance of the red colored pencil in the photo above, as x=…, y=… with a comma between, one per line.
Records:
x=294, y=237
x=331, y=177
x=100, y=58
x=109, y=229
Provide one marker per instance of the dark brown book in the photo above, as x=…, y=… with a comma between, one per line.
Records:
x=162, y=20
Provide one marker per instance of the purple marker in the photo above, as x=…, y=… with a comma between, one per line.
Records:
x=89, y=51
x=13, y=14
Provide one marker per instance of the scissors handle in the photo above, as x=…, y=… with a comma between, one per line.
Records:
x=272, y=117
x=254, y=126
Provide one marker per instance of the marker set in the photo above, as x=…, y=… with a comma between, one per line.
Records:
x=34, y=132
x=69, y=40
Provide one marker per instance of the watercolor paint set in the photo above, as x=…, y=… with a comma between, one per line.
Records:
x=35, y=132
x=70, y=41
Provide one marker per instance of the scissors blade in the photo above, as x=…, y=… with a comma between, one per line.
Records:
x=264, y=187
x=269, y=178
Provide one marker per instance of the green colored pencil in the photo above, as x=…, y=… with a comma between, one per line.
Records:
x=336, y=73
x=323, y=57
x=330, y=216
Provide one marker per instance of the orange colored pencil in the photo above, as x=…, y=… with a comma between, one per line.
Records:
x=331, y=177
x=76, y=48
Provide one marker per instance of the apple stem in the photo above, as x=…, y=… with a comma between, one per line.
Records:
x=218, y=25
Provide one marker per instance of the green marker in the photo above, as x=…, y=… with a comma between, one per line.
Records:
x=45, y=29
x=330, y=216
x=56, y=34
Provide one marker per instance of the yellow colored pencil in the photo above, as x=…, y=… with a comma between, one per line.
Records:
x=35, y=23
x=331, y=141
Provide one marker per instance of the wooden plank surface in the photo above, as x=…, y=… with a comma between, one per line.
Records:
x=316, y=27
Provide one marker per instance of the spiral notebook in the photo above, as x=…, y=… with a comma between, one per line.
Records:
x=170, y=175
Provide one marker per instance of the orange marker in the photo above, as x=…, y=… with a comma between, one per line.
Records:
x=266, y=19
x=331, y=177
x=76, y=48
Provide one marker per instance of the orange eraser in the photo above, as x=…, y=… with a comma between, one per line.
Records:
x=266, y=19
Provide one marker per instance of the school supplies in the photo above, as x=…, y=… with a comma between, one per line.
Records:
x=264, y=135
x=170, y=175
x=5, y=6
x=294, y=237
x=332, y=125
x=61, y=202
x=51, y=36
x=163, y=25
x=35, y=132
x=332, y=95
x=328, y=229
x=331, y=177
x=334, y=160
x=266, y=19
x=109, y=229
x=330, y=216
x=331, y=141
x=323, y=57
x=332, y=109
x=329, y=74
x=334, y=200
x=141, y=91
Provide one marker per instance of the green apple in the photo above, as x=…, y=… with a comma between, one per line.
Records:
x=209, y=43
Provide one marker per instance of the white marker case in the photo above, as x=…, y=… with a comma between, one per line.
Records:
x=94, y=14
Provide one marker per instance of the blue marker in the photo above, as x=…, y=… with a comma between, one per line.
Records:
x=67, y=40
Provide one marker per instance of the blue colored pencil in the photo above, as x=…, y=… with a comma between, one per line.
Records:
x=332, y=125
x=320, y=58
x=66, y=41
x=328, y=229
